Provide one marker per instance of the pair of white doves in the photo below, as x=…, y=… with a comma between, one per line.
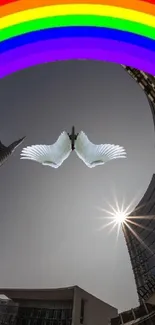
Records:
x=54, y=155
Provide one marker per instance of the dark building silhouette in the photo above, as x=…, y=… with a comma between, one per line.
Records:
x=144, y=315
x=141, y=245
x=8, y=311
x=147, y=83
x=141, y=240
x=67, y=306
x=145, y=80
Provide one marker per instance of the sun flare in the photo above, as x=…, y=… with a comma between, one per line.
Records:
x=120, y=217
x=117, y=214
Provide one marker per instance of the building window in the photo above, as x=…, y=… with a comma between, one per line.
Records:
x=82, y=311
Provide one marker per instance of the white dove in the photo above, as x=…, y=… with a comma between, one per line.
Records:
x=54, y=155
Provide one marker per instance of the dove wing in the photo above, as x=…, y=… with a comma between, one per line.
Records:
x=93, y=155
x=49, y=155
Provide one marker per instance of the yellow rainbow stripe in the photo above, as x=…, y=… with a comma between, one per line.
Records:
x=110, y=30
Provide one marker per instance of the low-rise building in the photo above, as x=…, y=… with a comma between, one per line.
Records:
x=67, y=306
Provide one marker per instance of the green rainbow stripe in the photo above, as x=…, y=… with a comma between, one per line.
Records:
x=40, y=31
x=77, y=20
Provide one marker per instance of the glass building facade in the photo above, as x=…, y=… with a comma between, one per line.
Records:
x=59, y=314
x=141, y=241
x=63, y=306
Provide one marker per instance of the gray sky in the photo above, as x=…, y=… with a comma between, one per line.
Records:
x=49, y=221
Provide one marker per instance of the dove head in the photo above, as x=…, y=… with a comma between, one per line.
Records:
x=73, y=137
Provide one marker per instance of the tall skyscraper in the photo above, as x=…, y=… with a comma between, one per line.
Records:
x=141, y=244
x=147, y=83
x=141, y=239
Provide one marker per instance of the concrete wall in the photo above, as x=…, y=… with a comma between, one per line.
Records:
x=96, y=312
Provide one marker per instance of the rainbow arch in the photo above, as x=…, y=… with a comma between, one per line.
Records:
x=35, y=32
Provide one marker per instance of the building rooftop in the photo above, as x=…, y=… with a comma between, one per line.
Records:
x=66, y=293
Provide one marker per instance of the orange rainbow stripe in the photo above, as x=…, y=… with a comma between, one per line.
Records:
x=39, y=31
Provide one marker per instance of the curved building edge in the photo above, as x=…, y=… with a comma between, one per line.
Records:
x=141, y=244
x=141, y=240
